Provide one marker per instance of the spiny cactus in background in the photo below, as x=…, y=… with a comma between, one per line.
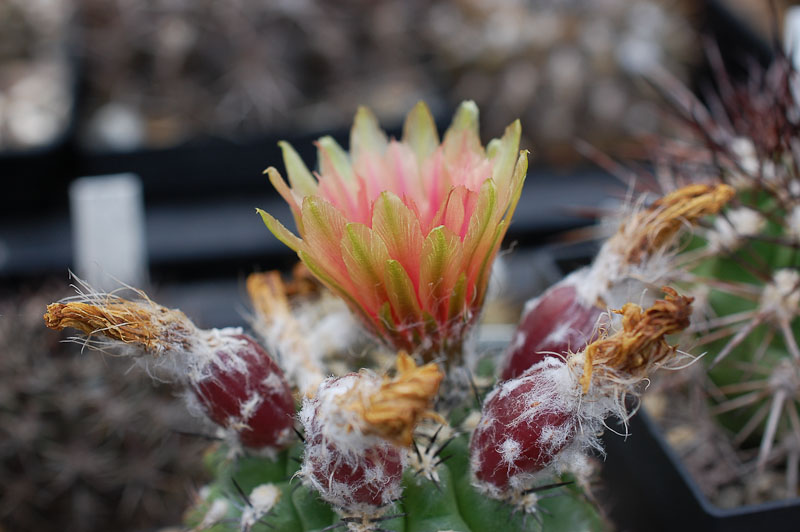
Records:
x=405, y=233
x=638, y=257
x=743, y=265
x=85, y=443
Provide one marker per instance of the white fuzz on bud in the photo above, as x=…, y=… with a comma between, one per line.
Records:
x=358, y=428
x=355, y=472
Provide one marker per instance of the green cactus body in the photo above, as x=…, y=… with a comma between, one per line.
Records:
x=756, y=347
x=449, y=504
x=743, y=266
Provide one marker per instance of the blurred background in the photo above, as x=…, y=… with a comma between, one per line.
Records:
x=190, y=97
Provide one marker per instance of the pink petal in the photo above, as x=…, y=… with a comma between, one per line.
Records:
x=440, y=268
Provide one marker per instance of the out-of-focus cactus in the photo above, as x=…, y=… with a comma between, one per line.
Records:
x=743, y=268
x=85, y=443
x=638, y=257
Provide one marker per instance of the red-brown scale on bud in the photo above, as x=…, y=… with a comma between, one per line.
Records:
x=563, y=319
x=555, y=324
x=525, y=423
x=243, y=389
x=356, y=427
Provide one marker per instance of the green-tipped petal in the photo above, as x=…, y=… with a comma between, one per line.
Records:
x=517, y=181
x=366, y=136
x=463, y=131
x=401, y=293
x=300, y=178
x=399, y=228
x=481, y=231
x=343, y=291
x=280, y=231
x=489, y=249
x=465, y=119
x=458, y=299
x=441, y=259
x=324, y=227
x=365, y=254
x=419, y=132
x=503, y=153
x=482, y=278
x=485, y=213
x=332, y=158
x=287, y=194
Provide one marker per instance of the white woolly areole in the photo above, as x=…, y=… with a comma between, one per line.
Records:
x=219, y=346
x=589, y=282
x=331, y=326
x=298, y=358
x=215, y=514
x=425, y=460
x=753, y=168
x=781, y=297
x=262, y=500
x=613, y=281
x=747, y=158
x=730, y=230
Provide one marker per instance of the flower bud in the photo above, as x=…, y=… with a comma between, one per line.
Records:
x=238, y=385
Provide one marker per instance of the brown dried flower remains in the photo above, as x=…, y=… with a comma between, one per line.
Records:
x=267, y=291
x=654, y=228
x=270, y=297
x=394, y=411
x=146, y=324
x=642, y=342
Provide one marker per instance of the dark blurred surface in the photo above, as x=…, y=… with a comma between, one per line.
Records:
x=87, y=443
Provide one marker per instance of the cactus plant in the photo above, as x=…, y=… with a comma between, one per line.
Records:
x=405, y=233
x=742, y=267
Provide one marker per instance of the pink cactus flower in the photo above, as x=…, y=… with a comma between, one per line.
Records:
x=406, y=231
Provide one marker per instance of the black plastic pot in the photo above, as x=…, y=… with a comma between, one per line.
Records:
x=647, y=488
